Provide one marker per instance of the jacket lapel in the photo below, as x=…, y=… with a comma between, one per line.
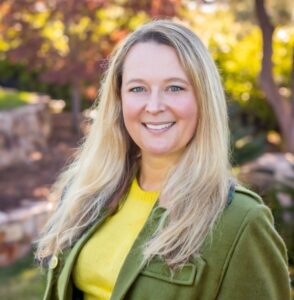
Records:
x=64, y=278
x=132, y=265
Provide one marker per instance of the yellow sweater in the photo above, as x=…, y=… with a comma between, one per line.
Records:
x=102, y=257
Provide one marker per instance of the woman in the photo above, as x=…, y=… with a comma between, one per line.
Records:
x=149, y=209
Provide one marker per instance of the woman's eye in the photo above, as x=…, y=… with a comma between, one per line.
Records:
x=137, y=89
x=175, y=88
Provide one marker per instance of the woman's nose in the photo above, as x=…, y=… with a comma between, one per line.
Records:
x=155, y=103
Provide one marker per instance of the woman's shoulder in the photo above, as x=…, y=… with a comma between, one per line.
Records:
x=246, y=213
x=246, y=209
x=245, y=246
x=243, y=202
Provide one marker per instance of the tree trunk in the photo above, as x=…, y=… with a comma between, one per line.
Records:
x=282, y=108
x=291, y=131
x=75, y=107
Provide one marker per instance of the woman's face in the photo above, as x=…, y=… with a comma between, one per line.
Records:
x=158, y=101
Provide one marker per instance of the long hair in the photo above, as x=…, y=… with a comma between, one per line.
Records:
x=196, y=188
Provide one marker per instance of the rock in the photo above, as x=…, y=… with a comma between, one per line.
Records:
x=23, y=131
x=19, y=228
x=269, y=169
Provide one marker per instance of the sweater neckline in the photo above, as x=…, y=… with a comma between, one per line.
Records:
x=142, y=194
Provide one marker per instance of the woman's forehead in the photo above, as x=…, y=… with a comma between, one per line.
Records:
x=152, y=59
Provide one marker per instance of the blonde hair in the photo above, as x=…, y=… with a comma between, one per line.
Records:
x=107, y=161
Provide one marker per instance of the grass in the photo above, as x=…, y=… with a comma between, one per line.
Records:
x=10, y=99
x=22, y=281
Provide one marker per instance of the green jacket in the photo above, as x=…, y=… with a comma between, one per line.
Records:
x=245, y=259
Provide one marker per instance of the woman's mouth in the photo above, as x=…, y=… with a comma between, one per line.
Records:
x=158, y=127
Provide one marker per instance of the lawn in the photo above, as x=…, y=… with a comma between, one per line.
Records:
x=10, y=99
x=22, y=281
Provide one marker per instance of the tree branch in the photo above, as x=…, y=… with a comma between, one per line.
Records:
x=292, y=85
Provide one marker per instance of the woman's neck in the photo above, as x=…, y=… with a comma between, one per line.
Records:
x=153, y=171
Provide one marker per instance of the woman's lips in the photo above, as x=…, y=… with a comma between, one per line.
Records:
x=160, y=127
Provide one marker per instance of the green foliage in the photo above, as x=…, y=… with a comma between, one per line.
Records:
x=282, y=57
x=239, y=64
x=251, y=116
x=56, y=47
x=71, y=44
x=65, y=44
x=246, y=143
x=284, y=216
x=279, y=196
x=237, y=50
x=22, y=280
x=18, y=76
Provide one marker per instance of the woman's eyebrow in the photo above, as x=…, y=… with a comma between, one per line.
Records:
x=135, y=80
x=177, y=79
x=166, y=80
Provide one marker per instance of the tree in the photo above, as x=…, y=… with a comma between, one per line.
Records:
x=248, y=13
x=66, y=40
x=283, y=107
x=56, y=38
x=270, y=15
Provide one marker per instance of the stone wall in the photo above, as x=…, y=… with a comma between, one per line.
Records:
x=23, y=131
x=19, y=228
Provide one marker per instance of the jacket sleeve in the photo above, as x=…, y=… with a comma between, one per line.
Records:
x=258, y=263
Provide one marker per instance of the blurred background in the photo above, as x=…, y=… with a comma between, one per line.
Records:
x=52, y=56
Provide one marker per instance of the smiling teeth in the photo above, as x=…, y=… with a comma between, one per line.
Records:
x=158, y=127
